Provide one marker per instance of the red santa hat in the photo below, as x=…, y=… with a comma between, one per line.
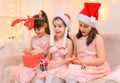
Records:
x=66, y=19
x=89, y=14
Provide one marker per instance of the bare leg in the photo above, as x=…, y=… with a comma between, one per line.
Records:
x=49, y=79
x=71, y=81
x=57, y=80
x=16, y=81
x=37, y=80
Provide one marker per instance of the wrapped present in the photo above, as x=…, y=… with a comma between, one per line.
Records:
x=43, y=65
x=31, y=60
x=74, y=67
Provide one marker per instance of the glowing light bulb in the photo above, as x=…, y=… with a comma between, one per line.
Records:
x=103, y=12
x=12, y=10
x=12, y=15
x=92, y=0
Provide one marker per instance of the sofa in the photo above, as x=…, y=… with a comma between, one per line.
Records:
x=11, y=52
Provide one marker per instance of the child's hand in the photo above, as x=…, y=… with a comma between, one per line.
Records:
x=26, y=51
x=47, y=60
x=50, y=67
x=69, y=60
x=79, y=62
x=77, y=58
x=76, y=62
x=34, y=52
x=40, y=51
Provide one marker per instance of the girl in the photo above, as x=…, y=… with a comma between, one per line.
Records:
x=61, y=48
x=90, y=62
x=39, y=45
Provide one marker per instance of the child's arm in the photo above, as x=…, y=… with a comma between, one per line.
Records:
x=74, y=52
x=70, y=48
x=74, y=55
x=40, y=51
x=49, y=56
x=69, y=57
x=100, y=53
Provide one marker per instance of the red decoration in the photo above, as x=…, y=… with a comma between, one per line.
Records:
x=91, y=9
x=29, y=23
x=17, y=21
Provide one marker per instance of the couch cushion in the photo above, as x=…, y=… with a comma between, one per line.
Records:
x=112, y=47
x=9, y=60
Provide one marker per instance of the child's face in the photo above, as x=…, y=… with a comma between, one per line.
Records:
x=40, y=31
x=59, y=28
x=84, y=28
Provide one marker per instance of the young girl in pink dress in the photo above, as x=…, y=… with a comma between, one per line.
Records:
x=39, y=45
x=61, y=48
x=89, y=61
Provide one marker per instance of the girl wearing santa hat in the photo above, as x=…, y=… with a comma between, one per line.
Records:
x=90, y=62
x=26, y=71
x=61, y=48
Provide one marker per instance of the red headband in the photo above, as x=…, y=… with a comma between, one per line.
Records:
x=29, y=22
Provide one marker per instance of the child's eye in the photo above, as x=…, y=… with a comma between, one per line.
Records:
x=59, y=26
x=86, y=26
x=80, y=25
x=38, y=28
x=54, y=26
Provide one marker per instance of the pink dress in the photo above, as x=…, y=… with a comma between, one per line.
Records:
x=58, y=71
x=91, y=72
x=24, y=74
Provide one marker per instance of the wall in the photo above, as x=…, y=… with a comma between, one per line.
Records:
x=109, y=13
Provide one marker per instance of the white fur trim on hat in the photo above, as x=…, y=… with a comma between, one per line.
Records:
x=88, y=20
x=65, y=19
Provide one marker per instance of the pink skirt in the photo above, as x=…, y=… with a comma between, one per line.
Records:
x=88, y=74
x=24, y=74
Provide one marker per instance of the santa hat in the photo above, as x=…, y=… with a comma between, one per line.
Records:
x=66, y=19
x=89, y=14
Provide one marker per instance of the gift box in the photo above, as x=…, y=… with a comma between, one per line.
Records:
x=31, y=60
x=74, y=67
x=43, y=65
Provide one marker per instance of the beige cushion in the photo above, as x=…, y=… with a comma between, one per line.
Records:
x=8, y=74
x=112, y=47
x=10, y=60
x=1, y=71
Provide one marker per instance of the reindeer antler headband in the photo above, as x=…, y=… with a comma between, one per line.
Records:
x=29, y=22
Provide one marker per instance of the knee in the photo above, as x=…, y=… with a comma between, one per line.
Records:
x=57, y=80
x=71, y=81
x=37, y=80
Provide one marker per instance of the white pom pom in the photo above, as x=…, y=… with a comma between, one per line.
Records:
x=63, y=51
x=53, y=49
x=93, y=20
